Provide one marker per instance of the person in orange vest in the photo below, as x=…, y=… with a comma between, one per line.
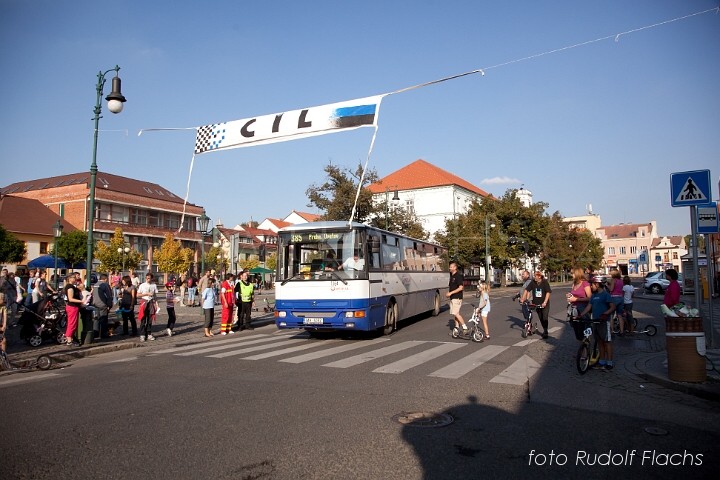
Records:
x=227, y=298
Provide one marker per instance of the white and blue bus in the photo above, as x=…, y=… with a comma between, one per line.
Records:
x=351, y=276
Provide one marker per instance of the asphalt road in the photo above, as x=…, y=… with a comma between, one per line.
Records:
x=280, y=405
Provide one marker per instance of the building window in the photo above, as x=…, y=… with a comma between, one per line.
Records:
x=633, y=250
x=43, y=248
x=675, y=256
x=138, y=216
x=622, y=250
x=611, y=250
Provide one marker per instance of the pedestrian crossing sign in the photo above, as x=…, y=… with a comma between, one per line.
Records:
x=690, y=188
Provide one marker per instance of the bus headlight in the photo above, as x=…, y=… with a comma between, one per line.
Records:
x=280, y=313
x=355, y=314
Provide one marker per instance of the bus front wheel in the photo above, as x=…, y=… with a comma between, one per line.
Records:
x=436, y=305
x=390, y=318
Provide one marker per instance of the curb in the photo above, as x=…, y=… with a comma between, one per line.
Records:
x=648, y=367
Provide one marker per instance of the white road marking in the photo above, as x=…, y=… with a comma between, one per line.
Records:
x=214, y=347
x=332, y=351
x=372, y=355
x=17, y=380
x=469, y=363
x=419, y=358
x=256, y=348
x=201, y=344
x=519, y=372
x=283, y=351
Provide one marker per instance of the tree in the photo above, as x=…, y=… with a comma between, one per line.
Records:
x=71, y=247
x=336, y=196
x=212, y=262
x=171, y=257
x=111, y=259
x=12, y=250
x=514, y=232
x=271, y=261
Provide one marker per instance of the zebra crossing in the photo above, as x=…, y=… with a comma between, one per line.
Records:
x=299, y=348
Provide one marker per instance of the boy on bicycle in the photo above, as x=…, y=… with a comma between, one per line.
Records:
x=602, y=307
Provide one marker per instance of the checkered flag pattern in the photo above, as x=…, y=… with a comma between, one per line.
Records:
x=209, y=137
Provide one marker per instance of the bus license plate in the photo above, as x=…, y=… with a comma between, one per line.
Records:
x=313, y=321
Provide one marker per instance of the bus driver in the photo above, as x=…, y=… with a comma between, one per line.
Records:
x=353, y=263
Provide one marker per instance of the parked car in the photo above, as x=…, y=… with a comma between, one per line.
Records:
x=656, y=282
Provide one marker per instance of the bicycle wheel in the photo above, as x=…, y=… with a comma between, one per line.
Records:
x=524, y=332
x=582, y=360
x=44, y=362
x=650, y=330
x=478, y=334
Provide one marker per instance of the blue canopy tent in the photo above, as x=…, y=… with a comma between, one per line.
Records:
x=48, y=261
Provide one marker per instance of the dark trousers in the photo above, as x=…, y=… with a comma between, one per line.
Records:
x=171, y=317
x=209, y=317
x=245, y=314
x=100, y=325
x=543, y=314
x=129, y=316
x=146, y=323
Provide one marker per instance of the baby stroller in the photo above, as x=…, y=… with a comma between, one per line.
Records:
x=40, y=323
x=269, y=306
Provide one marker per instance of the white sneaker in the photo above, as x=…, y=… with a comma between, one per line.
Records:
x=231, y=332
x=142, y=338
x=169, y=332
x=223, y=333
x=150, y=337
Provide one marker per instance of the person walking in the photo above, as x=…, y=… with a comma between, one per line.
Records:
x=127, y=305
x=484, y=306
x=539, y=294
x=455, y=294
x=245, y=297
x=208, y=304
x=580, y=292
x=73, y=301
x=227, y=294
x=9, y=287
x=183, y=288
x=170, y=307
x=148, y=306
x=103, y=300
x=191, y=289
x=626, y=321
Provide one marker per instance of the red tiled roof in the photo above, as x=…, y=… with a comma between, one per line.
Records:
x=674, y=240
x=624, y=231
x=278, y=223
x=310, y=217
x=421, y=174
x=28, y=216
x=105, y=181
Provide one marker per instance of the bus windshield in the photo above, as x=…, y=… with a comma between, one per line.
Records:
x=322, y=254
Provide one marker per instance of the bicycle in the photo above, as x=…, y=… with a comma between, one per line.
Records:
x=530, y=326
x=474, y=331
x=589, y=352
x=649, y=330
x=43, y=362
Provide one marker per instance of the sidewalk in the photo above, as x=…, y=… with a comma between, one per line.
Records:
x=189, y=325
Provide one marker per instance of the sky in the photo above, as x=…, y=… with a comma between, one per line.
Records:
x=603, y=124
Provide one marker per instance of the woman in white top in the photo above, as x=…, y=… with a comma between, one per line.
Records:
x=485, y=306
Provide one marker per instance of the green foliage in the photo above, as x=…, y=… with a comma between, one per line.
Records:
x=336, y=195
x=111, y=259
x=516, y=233
x=271, y=261
x=171, y=257
x=12, y=250
x=72, y=247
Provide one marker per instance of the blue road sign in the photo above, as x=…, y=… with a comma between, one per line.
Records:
x=690, y=188
x=707, y=216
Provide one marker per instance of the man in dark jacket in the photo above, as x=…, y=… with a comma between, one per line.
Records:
x=103, y=302
x=9, y=287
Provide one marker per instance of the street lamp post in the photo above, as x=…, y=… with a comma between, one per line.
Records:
x=488, y=225
x=57, y=233
x=124, y=252
x=387, y=204
x=115, y=105
x=204, y=222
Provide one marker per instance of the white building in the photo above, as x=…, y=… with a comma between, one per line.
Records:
x=431, y=193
